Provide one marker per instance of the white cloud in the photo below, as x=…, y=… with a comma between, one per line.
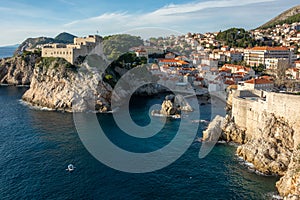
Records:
x=170, y=16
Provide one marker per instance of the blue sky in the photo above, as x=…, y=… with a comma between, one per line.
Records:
x=21, y=19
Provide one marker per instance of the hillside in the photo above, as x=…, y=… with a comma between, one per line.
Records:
x=64, y=38
x=236, y=37
x=290, y=16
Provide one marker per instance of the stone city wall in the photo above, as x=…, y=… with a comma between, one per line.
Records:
x=248, y=108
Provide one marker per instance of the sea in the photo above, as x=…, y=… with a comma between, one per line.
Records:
x=7, y=51
x=36, y=146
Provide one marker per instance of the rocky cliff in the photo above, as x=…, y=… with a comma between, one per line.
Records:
x=58, y=85
x=17, y=70
x=268, y=136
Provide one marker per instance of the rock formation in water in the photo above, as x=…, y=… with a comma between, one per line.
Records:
x=214, y=129
x=169, y=107
x=173, y=105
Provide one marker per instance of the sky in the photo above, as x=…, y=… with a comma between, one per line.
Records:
x=21, y=19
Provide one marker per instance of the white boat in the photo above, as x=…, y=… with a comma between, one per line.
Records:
x=70, y=168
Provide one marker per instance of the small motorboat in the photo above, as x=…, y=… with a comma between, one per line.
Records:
x=177, y=116
x=70, y=168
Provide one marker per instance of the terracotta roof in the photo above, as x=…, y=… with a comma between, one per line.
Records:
x=240, y=73
x=229, y=82
x=141, y=50
x=270, y=49
x=267, y=77
x=225, y=69
x=182, y=62
x=259, y=81
x=168, y=60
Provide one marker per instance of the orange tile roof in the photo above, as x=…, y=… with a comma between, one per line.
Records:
x=141, y=50
x=168, y=60
x=182, y=62
x=229, y=82
x=267, y=77
x=265, y=48
x=259, y=81
x=225, y=69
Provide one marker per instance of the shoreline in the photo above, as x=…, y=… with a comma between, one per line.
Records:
x=13, y=85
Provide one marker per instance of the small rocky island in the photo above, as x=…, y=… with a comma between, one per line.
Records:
x=172, y=107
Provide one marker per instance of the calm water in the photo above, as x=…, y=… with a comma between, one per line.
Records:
x=7, y=51
x=36, y=146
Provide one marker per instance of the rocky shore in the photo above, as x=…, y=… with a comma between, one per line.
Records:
x=56, y=84
x=272, y=145
x=59, y=86
x=17, y=70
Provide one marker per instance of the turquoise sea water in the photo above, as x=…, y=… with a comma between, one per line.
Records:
x=36, y=147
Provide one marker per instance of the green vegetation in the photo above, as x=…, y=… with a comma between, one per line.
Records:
x=64, y=38
x=236, y=37
x=124, y=62
x=51, y=62
x=116, y=45
x=27, y=54
x=289, y=20
x=259, y=69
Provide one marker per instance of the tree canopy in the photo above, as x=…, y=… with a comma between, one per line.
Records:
x=116, y=45
x=236, y=37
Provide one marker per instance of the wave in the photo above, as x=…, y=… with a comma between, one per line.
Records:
x=250, y=166
x=24, y=103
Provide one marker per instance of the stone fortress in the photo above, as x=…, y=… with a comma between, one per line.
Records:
x=70, y=52
x=249, y=106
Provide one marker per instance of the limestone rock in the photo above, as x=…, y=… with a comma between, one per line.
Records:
x=169, y=107
x=271, y=148
x=289, y=185
x=17, y=70
x=214, y=129
x=233, y=133
x=61, y=88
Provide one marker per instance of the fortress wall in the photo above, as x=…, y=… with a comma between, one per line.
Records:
x=81, y=47
x=248, y=113
x=66, y=53
x=287, y=106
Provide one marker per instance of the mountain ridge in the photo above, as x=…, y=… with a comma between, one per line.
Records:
x=282, y=17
